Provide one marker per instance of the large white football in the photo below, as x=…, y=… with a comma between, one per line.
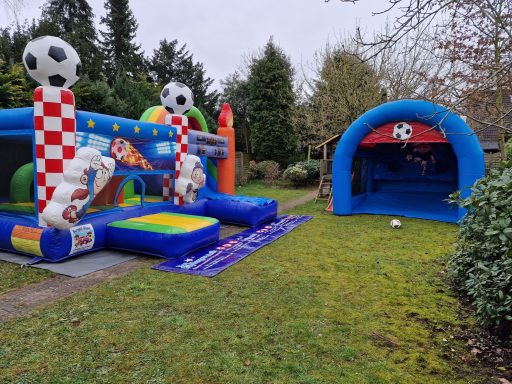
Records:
x=177, y=98
x=402, y=131
x=49, y=60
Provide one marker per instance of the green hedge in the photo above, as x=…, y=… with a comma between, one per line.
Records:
x=482, y=262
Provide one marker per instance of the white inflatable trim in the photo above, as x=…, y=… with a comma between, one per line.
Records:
x=85, y=176
x=192, y=178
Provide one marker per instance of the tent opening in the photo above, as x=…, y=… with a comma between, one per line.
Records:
x=390, y=178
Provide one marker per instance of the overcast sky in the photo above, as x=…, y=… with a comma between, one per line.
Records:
x=220, y=32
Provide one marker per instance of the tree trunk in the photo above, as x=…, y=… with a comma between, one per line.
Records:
x=499, y=95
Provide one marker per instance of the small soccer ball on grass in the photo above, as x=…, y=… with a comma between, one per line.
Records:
x=402, y=131
x=177, y=98
x=49, y=60
x=395, y=224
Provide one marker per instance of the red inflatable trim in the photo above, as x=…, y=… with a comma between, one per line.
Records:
x=421, y=133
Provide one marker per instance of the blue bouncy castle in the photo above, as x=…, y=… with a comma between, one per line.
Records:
x=76, y=181
x=405, y=158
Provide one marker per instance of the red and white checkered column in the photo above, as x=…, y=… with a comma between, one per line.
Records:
x=179, y=122
x=55, y=140
x=166, y=191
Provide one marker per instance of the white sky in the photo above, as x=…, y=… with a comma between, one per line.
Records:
x=220, y=32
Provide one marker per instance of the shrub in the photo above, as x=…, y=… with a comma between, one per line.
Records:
x=267, y=170
x=296, y=175
x=303, y=172
x=482, y=262
x=254, y=171
x=243, y=179
x=509, y=149
x=312, y=167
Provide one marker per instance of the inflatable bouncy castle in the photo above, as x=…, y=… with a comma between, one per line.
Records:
x=405, y=158
x=77, y=181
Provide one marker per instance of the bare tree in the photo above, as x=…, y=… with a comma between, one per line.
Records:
x=411, y=67
x=476, y=33
x=340, y=86
x=13, y=7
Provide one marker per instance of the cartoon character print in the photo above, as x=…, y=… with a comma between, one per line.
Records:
x=83, y=240
x=422, y=153
x=198, y=174
x=197, y=177
x=191, y=179
x=102, y=175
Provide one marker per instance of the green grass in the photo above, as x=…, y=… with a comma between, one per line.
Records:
x=281, y=193
x=338, y=300
x=14, y=276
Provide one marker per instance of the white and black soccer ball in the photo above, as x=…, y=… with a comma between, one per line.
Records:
x=177, y=98
x=402, y=131
x=395, y=223
x=49, y=60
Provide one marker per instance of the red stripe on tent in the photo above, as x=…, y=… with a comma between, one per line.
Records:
x=421, y=133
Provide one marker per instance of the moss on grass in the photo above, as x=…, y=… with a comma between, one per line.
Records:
x=338, y=300
x=14, y=276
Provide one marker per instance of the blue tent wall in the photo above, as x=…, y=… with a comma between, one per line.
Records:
x=465, y=144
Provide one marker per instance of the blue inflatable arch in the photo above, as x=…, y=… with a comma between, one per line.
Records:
x=405, y=196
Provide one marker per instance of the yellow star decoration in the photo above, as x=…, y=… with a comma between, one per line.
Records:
x=136, y=129
x=171, y=134
x=155, y=132
x=90, y=123
x=116, y=127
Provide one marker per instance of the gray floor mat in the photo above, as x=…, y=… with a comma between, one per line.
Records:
x=76, y=266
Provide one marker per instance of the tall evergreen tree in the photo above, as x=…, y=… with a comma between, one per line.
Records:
x=271, y=105
x=95, y=96
x=14, y=89
x=121, y=53
x=5, y=45
x=13, y=41
x=74, y=22
x=165, y=65
x=235, y=93
x=171, y=62
x=134, y=95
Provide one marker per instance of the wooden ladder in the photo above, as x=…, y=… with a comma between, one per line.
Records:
x=324, y=189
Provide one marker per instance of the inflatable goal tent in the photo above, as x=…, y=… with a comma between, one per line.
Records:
x=405, y=158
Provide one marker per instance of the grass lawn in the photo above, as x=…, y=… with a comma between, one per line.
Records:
x=15, y=276
x=338, y=300
x=281, y=193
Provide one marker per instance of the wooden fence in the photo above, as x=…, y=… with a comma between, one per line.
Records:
x=241, y=167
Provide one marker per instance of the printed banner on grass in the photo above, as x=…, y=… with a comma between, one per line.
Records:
x=211, y=260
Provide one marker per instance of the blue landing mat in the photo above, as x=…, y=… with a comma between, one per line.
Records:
x=212, y=260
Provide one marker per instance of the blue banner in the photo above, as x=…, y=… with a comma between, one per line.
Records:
x=211, y=260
